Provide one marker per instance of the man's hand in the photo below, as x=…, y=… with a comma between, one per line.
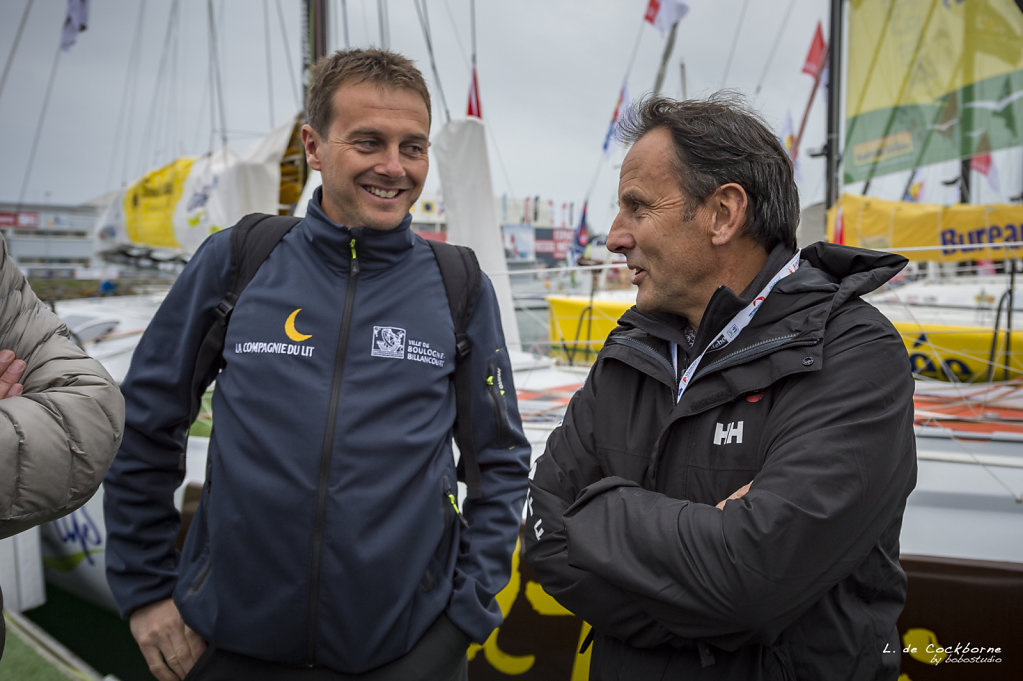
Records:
x=737, y=494
x=11, y=371
x=171, y=649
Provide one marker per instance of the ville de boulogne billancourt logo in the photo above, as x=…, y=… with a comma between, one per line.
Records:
x=393, y=342
x=298, y=348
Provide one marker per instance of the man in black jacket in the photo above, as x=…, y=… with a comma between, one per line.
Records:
x=724, y=497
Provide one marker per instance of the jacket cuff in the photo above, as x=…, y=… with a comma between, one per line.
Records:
x=591, y=492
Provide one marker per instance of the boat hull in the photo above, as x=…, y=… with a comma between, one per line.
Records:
x=965, y=354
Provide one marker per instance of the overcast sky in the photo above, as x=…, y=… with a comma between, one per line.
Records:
x=549, y=72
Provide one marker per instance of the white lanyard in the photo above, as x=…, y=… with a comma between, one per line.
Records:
x=732, y=328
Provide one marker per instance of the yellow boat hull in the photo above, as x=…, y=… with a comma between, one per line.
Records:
x=935, y=351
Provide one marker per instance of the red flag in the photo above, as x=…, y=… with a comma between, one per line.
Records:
x=818, y=54
x=474, y=97
x=839, y=227
x=982, y=164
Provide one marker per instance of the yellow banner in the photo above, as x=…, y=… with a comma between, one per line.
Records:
x=149, y=205
x=922, y=231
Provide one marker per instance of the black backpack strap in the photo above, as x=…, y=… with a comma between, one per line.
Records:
x=249, y=248
x=462, y=280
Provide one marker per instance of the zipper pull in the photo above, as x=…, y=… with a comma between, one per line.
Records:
x=355, y=258
x=454, y=505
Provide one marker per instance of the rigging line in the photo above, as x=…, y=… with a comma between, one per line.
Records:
x=424, y=24
x=201, y=109
x=472, y=29
x=218, y=82
x=332, y=28
x=344, y=22
x=930, y=129
x=130, y=76
x=625, y=80
x=774, y=47
x=365, y=18
x=174, y=143
x=385, y=21
x=489, y=127
x=500, y=158
x=735, y=43
x=14, y=47
x=159, y=88
x=593, y=182
x=851, y=123
x=963, y=442
x=39, y=128
x=458, y=37
x=287, y=53
x=269, y=64
x=635, y=51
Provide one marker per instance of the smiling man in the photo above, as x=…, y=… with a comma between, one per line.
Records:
x=724, y=497
x=328, y=544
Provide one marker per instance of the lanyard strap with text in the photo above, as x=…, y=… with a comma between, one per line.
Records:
x=738, y=323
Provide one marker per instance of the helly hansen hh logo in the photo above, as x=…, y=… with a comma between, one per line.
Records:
x=727, y=433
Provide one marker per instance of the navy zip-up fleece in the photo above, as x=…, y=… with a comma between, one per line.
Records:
x=326, y=534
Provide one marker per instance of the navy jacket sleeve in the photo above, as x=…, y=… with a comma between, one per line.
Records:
x=484, y=565
x=834, y=482
x=141, y=519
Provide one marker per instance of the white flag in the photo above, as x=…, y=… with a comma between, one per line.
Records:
x=664, y=14
x=74, y=23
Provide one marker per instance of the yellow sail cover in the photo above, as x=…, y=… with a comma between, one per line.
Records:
x=149, y=205
x=177, y=206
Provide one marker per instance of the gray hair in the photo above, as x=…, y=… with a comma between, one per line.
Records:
x=720, y=140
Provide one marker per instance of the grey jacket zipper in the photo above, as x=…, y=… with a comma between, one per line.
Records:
x=646, y=350
x=325, y=456
x=754, y=351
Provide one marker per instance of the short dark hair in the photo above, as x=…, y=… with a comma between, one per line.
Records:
x=384, y=68
x=720, y=140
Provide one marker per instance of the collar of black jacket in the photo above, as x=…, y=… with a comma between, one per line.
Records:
x=375, y=248
x=724, y=305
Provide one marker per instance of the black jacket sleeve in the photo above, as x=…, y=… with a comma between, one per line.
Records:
x=567, y=466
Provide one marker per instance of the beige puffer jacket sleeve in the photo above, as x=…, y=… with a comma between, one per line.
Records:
x=58, y=438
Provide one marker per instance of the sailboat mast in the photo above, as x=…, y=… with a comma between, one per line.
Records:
x=669, y=45
x=833, y=182
x=315, y=39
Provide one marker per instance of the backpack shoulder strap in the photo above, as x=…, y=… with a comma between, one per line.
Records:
x=249, y=248
x=462, y=280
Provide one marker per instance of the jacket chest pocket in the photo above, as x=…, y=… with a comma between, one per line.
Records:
x=714, y=453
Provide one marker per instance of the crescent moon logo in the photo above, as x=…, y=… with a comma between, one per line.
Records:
x=293, y=333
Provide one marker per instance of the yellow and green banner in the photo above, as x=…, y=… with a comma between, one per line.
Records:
x=931, y=81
